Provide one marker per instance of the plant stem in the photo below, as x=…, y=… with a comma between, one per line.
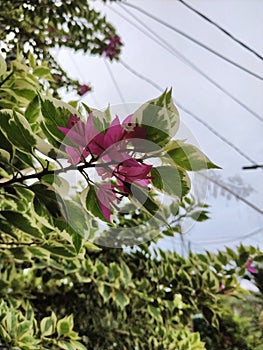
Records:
x=8, y=77
x=45, y=172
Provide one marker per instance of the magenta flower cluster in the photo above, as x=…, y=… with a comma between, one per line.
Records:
x=83, y=89
x=113, y=47
x=249, y=267
x=113, y=151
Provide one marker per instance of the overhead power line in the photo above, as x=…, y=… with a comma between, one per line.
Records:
x=236, y=195
x=80, y=76
x=197, y=42
x=223, y=240
x=115, y=82
x=168, y=47
x=222, y=29
x=194, y=116
x=232, y=239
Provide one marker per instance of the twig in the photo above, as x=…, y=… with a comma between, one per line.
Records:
x=8, y=77
x=45, y=172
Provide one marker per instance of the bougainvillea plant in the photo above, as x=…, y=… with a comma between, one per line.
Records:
x=113, y=47
x=124, y=154
x=136, y=160
x=83, y=89
x=112, y=155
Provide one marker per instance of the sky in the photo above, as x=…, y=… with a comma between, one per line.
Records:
x=231, y=220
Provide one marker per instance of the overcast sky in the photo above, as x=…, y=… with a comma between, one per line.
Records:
x=230, y=218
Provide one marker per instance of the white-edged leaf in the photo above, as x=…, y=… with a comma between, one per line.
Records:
x=3, y=66
x=171, y=180
x=160, y=118
x=48, y=325
x=90, y=201
x=17, y=130
x=4, y=156
x=188, y=157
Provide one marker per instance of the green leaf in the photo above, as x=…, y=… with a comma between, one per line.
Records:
x=38, y=252
x=126, y=274
x=52, y=118
x=7, y=228
x=65, y=251
x=142, y=197
x=6, y=145
x=101, y=269
x=4, y=334
x=121, y=299
x=48, y=325
x=25, y=327
x=33, y=110
x=199, y=215
x=32, y=60
x=42, y=72
x=46, y=195
x=188, y=156
x=4, y=156
x=114, y=272
x=91, y=203
x=63, y=105
x=77, y=345
x=171, y=180
x=65, y=325
x=77, y=218
x=3, y=66
x=22, y=222
x=160, y=118
x=105, y=291
x=49, y=150
x=77, y=241
x=155, y=312
x=17, y=130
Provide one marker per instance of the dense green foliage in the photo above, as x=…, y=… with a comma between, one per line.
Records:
x=240, y=325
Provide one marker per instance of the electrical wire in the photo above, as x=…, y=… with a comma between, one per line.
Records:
x=221, y=28
x=232, y=239
x=114, y=82
x=197, y=42
x=220, y=241
x=168, y=47
x=194, y=116
x=79, y=74
x=251, y=205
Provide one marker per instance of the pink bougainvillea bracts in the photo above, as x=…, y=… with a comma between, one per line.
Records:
x=112, y=151
x=85, y=139
x=250, y=268
x=113, y=47
x=83, y=89
x=106, y=196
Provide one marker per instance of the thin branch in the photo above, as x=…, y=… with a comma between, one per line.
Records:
x=45, y=172
x=5, y=80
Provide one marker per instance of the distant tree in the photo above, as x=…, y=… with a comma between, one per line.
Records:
x=37, y=26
